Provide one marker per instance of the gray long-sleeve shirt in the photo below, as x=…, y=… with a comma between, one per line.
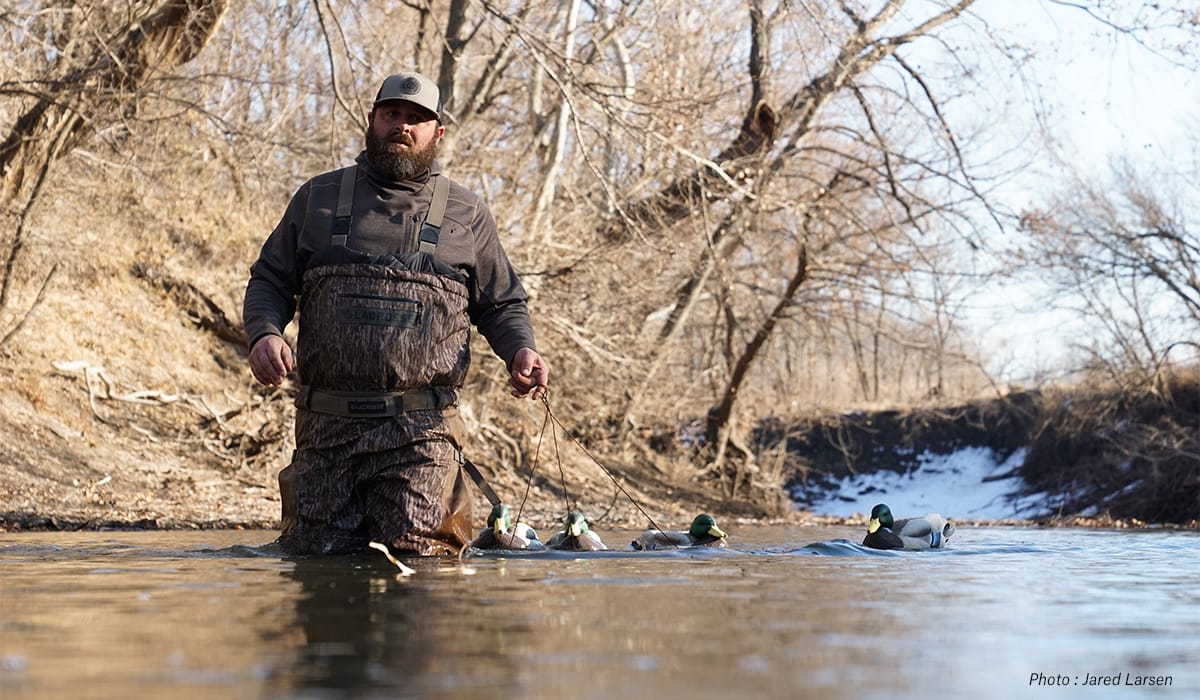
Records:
x=387, y=217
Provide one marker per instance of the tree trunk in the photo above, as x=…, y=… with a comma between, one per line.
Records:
x=718, y=419
x=103, y=88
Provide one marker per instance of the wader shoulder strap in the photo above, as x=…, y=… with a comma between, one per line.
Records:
x=431, y=229
x=481, y=482
x=345, y=207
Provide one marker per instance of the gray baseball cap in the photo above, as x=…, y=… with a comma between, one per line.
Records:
x=411, y=87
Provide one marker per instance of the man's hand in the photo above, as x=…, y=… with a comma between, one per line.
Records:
x=271, y=360
x=529, y=375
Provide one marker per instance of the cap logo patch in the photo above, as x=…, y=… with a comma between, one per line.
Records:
x=410, y=86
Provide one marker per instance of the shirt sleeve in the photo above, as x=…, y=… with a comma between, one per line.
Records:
x=499, y=307
x=275, y=277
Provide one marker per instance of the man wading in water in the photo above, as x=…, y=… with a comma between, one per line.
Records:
x=392, y=263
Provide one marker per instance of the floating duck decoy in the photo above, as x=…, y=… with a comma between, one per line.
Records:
x=703, y=533
x=576, y=536
x=929, y=531
x=501, y=533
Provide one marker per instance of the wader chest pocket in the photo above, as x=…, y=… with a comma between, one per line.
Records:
x=368, y=310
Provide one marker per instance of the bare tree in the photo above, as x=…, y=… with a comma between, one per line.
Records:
x=777, y=134
x=1126, y=252
x=99, y=65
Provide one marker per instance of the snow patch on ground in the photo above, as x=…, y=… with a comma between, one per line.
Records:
x=952, y=484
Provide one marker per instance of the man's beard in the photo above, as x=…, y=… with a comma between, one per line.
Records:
x=394, y=164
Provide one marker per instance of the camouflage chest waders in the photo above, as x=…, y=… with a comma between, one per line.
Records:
x=383, y=347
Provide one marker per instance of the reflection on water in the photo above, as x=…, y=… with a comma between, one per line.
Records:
x=789, y=613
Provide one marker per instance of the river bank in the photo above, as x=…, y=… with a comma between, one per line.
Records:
x=101, y=458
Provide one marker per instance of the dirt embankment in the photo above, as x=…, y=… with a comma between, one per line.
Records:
x=1096, y=457
x=81, y=452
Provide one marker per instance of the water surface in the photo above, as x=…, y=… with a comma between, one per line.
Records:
x=786, y=613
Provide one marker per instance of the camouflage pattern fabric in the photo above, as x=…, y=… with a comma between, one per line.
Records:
x=393, y=480
x=396, y=480
x=382, y=328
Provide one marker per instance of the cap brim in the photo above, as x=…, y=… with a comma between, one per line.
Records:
x=430, y=112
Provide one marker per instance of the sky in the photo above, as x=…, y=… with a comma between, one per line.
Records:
x=1106, y=96
x=1113, y=96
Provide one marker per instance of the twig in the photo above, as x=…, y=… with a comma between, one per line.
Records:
x=404, y=570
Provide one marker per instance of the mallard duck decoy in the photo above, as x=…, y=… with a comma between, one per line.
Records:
x=703, y=533
x=929, y=531
x=576, y=535
x=501, y=533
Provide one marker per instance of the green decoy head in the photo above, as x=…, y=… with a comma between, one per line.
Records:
x=500, y=519
x=577, y=525
x=881, y=516
x=705, y=524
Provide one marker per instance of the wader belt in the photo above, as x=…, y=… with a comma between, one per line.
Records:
x=431, y=229
x=367, y=404
x=374, y=404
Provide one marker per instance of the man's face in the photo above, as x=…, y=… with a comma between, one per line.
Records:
x=402, y=139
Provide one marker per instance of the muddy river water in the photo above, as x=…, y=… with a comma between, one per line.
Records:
x=783, y=613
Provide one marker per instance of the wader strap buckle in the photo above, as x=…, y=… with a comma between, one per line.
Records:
x=431, y=229
x=374, y=404
x=345, y=208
